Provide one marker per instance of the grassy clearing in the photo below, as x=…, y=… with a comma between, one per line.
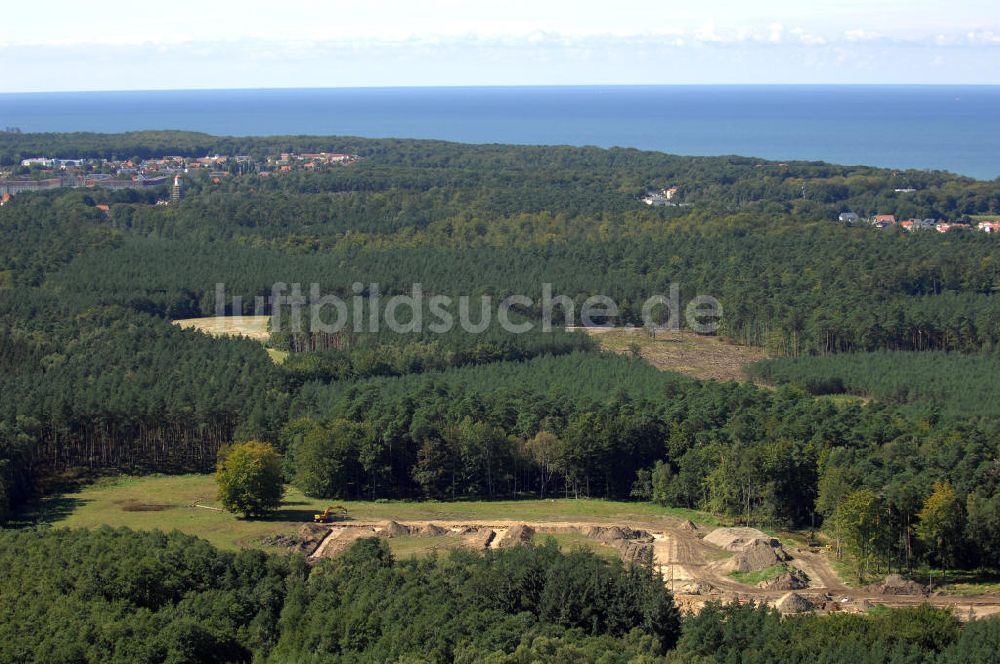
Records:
x=167, y=503
x=570, y=541
x=753, y=578
x=278, y=356
x=706, y=358
x=422, y=546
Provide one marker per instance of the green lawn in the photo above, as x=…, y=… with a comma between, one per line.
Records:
x=959, y=581
x=570, y=541
x=277, y=356
x=753, y=578
x=167, y=503
x=421, y=546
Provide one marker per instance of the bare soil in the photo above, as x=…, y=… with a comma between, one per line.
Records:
x=252, y=327
x=136, y=506
x=698, y=356
x=692, y=565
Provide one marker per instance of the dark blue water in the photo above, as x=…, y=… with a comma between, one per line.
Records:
x=951, y=128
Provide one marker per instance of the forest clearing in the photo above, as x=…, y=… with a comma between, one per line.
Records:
x=699, y=559
x=681, y=351
x=252, y=327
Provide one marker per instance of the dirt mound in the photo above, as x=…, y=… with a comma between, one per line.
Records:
x=610, y=535
x=516, y=536
x=339, y=540
x=696, y=588
x=894, y=584
x=757, y=555
x=733, y=539
x=136, y=506
x=687, y=524
x=793, y=579
x=794, y=603
x=635, y=546
x=393, y=529
x=305, y=540
x=479, y=538
x=634, y=551
x=432, y=530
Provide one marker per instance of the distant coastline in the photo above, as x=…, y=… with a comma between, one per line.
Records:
x=954, y=128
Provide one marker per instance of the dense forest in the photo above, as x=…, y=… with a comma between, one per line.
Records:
x=122, y=596
x=96, y=376
x=949, y=385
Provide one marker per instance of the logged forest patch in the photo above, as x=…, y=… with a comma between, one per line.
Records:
x=687, y=353
x=252, y=327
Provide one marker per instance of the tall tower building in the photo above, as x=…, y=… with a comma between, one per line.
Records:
x=175, y=193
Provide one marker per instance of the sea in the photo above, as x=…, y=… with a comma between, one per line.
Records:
x=953, y=128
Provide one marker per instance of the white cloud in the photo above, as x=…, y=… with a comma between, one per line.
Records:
x=647, y=51
x=859, y=35
x=806, y=38
x=983, y=37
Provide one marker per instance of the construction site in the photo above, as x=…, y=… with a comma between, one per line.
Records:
x=699, y=564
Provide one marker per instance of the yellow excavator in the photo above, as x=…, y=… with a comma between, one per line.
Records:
x=331, y=512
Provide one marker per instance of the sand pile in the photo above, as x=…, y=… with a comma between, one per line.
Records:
x=757, y=555
x=733, y=539
x=634, y=551
x=479, y=538
x=394, y=529
x=894, y=584
x=754, y=550
x=635, y=546
x=615, y=533
x=432, y=530
x=794, y=603
x=516, y=536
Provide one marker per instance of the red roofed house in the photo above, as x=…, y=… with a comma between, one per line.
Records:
x=989, y=226
x=884, y=220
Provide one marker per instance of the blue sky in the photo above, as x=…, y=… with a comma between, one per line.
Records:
x=119, y=45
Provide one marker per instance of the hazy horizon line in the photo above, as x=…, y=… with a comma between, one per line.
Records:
x=505, y=86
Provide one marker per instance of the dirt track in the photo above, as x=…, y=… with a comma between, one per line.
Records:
x=690, y=566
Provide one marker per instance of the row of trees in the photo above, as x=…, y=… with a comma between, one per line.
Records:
x=123, y=596
x=944, y=532
x=949, y=384
x=590, y=424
